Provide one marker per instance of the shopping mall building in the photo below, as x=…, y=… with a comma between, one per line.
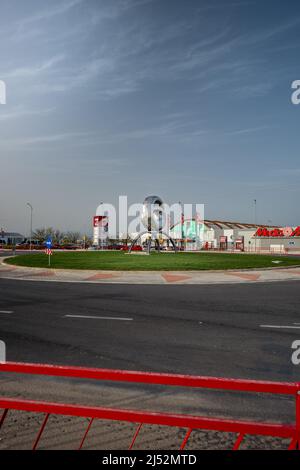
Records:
x=193, y=235
x=224, y=235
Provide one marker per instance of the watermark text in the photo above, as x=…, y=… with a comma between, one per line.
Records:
x=296, y=94
x=2, y=352
x=2, y=92
x=296, y=354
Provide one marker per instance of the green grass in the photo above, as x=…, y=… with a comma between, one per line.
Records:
x=113, y=260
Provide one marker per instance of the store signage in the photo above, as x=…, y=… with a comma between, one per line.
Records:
x=100, y=223
x=286, y=232
x=96, y=221
x=296, y=232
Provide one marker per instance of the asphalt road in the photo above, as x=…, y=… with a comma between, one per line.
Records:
x=210, y=330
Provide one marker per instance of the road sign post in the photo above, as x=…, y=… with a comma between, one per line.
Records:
x=48, y=250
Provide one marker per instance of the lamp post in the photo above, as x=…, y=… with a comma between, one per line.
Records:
x=101, y=239
x=270, y=241
x=31, y=211
x=255, y=223
x=182, y=224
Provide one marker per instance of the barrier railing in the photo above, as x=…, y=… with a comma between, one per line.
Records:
x=141, y=417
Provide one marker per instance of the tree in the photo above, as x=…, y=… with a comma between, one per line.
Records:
x=40, y=234
x=57, y=237
x=72, y=237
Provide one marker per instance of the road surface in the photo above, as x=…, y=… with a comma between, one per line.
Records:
x=209, y=330
x=239, y=331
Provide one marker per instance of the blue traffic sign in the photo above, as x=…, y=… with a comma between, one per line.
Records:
x=49, y=243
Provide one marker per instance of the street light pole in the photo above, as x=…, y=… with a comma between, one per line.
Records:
x=270, y=241
x=255, y=222
x=31, y=211
x=181, y=224
x=101, y=239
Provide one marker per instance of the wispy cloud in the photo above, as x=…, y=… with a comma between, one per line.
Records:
x=21, y=112
x=224, y=5
x=133, y=56
x=55, y=10
x=33, y=70
x=70, y=138
x=254, y=89
x=76, y=76
x=114, y=9
x=248, y=130
x=175, y=128
x=258, y=37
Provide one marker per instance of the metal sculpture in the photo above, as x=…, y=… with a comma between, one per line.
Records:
x=154, y=220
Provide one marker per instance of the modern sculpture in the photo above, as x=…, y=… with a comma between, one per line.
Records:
x=153, y=219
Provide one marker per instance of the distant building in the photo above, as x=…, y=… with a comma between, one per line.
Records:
x=195, y=234
x=10, y=238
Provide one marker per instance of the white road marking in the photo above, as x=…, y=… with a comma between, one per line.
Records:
x=281, y=327
x=6, y=311
x=99, y=318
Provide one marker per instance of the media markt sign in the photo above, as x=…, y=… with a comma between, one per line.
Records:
x=287, y=232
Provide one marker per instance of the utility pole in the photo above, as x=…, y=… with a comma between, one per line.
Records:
x=31, y=211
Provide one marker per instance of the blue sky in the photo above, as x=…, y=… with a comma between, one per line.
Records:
x=190, y=100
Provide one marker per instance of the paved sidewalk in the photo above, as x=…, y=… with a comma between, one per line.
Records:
x=150, y=277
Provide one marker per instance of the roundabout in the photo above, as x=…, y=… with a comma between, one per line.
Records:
x=164, y=268
x=118, y=261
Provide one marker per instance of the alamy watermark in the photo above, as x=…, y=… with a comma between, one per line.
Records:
x=2, y=352
x=296, y=354
x=296, y=94
x=2, y=92
x=151, y=215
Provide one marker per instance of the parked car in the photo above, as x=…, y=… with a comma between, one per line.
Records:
x=135, y=248
x=69, y=246
x=25, y=245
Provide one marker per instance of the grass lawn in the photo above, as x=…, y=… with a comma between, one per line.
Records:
x=117, y=261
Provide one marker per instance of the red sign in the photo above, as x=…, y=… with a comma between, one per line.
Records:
x=95, y=221
x=278, y=232
x=296, y=232
x=100, y=220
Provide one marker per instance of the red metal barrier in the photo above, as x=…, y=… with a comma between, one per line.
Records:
x=140, y=417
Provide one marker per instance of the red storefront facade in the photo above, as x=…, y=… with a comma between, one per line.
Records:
x=284, y=239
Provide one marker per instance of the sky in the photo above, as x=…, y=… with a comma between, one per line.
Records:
x=189, y=100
